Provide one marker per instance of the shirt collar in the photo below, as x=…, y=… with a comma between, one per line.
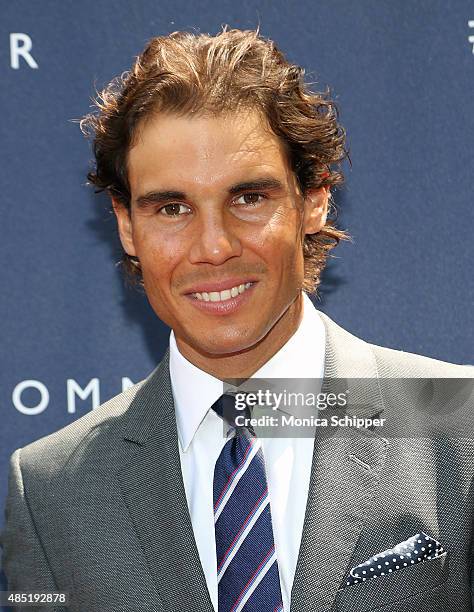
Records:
x=194, y=391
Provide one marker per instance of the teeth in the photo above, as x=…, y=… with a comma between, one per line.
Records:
x=222, y=296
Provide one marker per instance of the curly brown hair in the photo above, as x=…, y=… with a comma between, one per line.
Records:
x=186, y=73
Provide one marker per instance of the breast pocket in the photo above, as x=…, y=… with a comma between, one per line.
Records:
x=395, y=587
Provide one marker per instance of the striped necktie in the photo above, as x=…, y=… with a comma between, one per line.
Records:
x=247, y=568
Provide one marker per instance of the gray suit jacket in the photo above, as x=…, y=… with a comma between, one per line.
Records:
x=98, y=509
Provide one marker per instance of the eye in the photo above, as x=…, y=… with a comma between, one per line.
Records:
x=250, y=199
x=173, y=210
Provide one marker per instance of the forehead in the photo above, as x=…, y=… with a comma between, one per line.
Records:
x=204, y=151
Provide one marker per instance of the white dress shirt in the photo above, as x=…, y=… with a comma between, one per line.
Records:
x=287, y=460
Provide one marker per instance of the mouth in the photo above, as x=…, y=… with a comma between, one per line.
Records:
x=222, y=296
x=225, y=301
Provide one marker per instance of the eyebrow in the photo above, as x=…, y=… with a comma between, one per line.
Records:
x=156, y=197
x=259, y=184
x=262, y=184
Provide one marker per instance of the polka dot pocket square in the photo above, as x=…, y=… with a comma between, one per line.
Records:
x=416, y=549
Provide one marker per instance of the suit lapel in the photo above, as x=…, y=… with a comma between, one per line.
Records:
x=344, y=473
x=154, y=493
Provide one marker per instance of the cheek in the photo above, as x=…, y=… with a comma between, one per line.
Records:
x=158, y=257
x=280, y=240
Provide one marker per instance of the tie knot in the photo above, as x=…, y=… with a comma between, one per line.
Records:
x=225, y=407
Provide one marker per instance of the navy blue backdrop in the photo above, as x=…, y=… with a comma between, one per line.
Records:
x=403, y=75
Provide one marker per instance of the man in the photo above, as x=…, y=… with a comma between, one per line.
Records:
x=219, y=163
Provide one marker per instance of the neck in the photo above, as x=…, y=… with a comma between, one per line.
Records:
x=245, y=363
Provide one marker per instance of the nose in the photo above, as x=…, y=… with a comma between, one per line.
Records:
x=215, y=241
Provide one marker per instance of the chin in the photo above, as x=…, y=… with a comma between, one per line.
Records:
x=225, y=345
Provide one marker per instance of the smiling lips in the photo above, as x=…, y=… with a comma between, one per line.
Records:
x=222, y=296
x=225, y=302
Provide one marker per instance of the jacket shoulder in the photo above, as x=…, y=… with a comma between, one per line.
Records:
x=49, y=454
x=352, y=356
x=396, y=363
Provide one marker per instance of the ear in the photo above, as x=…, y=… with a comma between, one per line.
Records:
x=315, y=210
x=124, y=223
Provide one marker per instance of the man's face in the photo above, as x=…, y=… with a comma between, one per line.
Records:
x=217, y=223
